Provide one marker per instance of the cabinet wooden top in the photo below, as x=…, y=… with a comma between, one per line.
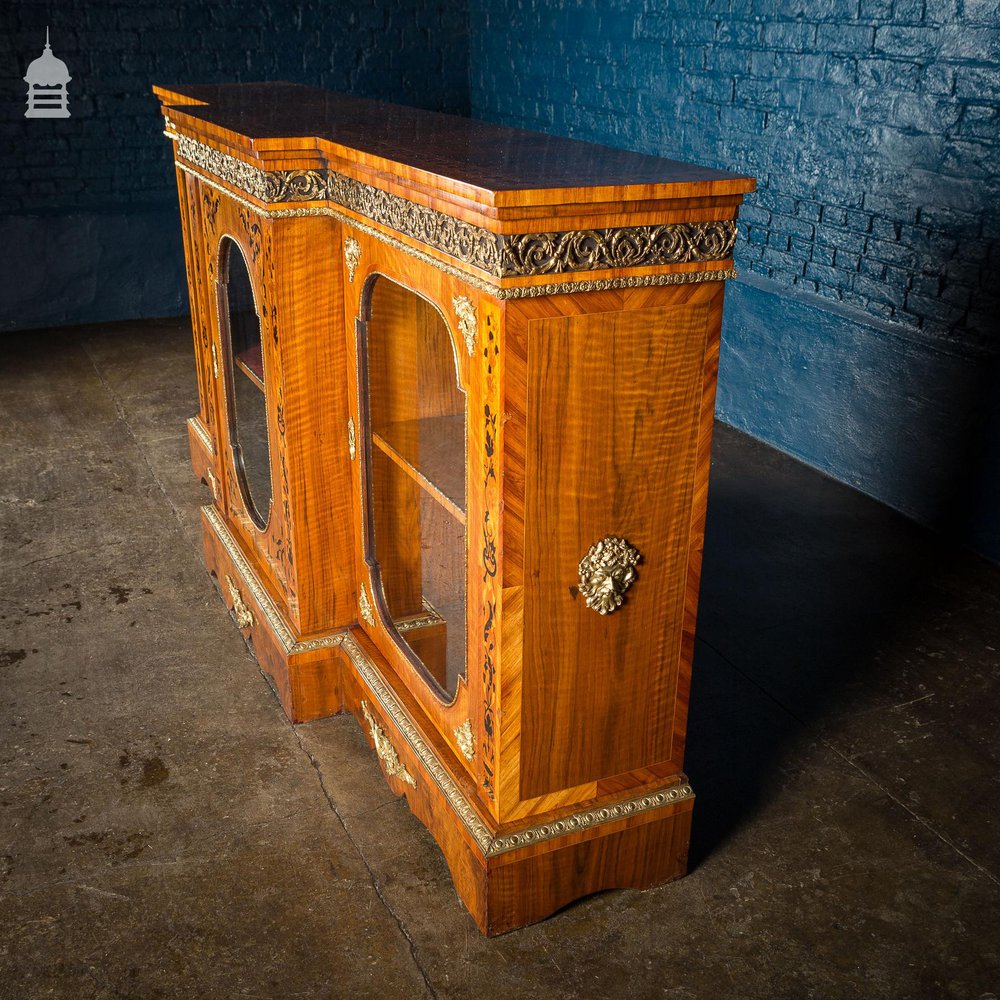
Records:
x=495, y=164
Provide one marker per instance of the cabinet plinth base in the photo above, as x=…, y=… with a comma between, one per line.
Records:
x=507, y=876
x=305, y=674
x=202, y=455
x=510, y=876
x=641, y=856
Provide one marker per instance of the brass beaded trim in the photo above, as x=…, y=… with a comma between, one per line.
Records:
x=202, y=434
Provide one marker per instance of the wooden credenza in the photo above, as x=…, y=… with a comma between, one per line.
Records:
x=456, y=387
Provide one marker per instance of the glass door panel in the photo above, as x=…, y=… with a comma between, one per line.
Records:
x=245, y=382
x=417, y=476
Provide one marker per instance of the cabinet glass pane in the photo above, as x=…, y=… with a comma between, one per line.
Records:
x=245, y=382
x=416, y=450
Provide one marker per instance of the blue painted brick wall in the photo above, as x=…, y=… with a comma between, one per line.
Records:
x=111, y=150
x=90, y=200
x=871, y=126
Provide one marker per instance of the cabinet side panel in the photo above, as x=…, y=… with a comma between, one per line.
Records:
x=187, y=196
x=613, y=407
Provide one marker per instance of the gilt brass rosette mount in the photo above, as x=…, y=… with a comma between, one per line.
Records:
x=606, y=572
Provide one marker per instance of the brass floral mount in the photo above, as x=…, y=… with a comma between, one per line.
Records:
x=466, y=312
x=606, y=572
x=385, y=750
x=365, y=607
x=352, y=439
x=352, y=254
x=244, y=616
x=465, y=740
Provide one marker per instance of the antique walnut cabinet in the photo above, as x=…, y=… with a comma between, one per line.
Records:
x=456, y=385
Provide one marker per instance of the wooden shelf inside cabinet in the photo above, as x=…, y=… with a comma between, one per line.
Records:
x=251, y=363
x=431, y=451
x=468, y=503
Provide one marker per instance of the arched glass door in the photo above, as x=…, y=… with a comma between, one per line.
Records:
x=416, y=452
x=245, y=383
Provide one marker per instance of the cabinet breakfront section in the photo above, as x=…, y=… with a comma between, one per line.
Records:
x=456, y=386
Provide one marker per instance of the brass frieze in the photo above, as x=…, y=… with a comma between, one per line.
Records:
x=265, y=185
x=528, y=254
x=386, y=751
x=461, y=240
x=485, y=285
x=606, y=572
x=500, y=256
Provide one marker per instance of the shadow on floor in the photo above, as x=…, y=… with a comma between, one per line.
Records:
x=812, y=597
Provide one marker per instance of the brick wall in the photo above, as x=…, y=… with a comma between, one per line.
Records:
x=871, y=126
x=90, y=200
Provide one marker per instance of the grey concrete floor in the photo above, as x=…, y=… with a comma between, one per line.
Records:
x=164, y=832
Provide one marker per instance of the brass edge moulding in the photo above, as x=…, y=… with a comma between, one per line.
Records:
x=424, y=620
x=500, y=292
x=202, y=434
x=489, y=844
x=263, y=600
x=606, y=572
x=590, y=818
x=516, y=255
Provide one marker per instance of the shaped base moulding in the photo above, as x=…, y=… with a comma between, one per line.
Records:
x=510, y=876
x=305, y=674
x=506, y=875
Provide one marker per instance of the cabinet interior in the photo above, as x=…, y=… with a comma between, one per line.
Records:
x=417, y=477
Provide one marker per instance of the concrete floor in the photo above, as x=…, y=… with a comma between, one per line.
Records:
x=164, y=832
